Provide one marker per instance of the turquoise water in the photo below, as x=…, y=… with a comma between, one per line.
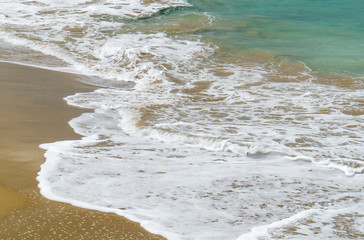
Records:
x=327, y=35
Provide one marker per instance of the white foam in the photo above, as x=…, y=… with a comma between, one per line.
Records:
x=260, y=231
x=72, y=31
x=181, y=158
x=303, y=223
x=211, y=154
x=191, y=192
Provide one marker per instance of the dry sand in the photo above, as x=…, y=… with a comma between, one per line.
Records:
x=32, y=112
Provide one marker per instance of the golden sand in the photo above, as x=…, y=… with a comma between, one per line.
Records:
x=32, y=112
x=10, y=200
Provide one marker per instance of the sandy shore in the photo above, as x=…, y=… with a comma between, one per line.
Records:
x=32, y=112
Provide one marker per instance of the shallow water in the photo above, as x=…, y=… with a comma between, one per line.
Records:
x=214, y=119
x=325, y=35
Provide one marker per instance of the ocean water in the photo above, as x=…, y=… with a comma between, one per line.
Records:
x=324, y=34
x=214, y=119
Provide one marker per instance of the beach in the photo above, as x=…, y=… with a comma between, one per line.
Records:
x=32, y=112
x=209, y=120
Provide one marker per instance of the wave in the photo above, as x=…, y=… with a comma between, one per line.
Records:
x=188, y=140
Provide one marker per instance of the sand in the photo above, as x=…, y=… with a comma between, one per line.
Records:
x=32, y=112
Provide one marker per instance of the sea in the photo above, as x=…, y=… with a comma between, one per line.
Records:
x=213, y=119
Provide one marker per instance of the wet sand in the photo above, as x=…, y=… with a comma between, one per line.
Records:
x=32, y=112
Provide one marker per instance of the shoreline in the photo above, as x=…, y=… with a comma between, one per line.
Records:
x=33, y=112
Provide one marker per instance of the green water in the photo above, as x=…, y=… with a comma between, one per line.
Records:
x=327, y=35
